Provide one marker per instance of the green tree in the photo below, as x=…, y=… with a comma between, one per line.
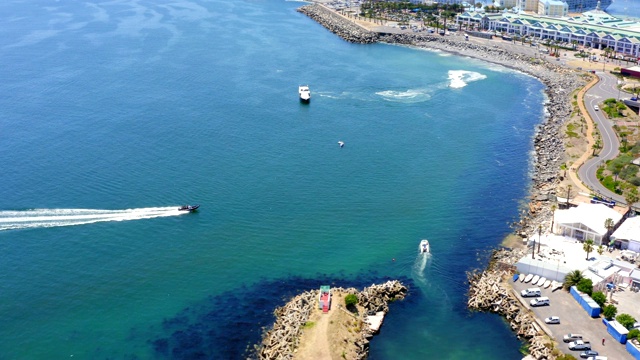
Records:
x=588, y=247
x=626, y=320
x=599, y=297
x=600, y=250
x=586, y=286
x=350, y=300
x=633, y=334
x=609, y=311
x=572, y=279
x=596, y=145
x=631, y=196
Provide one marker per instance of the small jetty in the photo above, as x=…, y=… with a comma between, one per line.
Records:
x=294, y=333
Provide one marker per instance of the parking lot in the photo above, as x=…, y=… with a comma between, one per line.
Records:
x=573, y=319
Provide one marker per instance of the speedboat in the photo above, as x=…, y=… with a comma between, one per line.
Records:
x=522, y=277
x=189, y=208
x=341, y=143
x=535, y=279
x=541, y=281
x=424, y=247
x=528, y=278
x=305, y=93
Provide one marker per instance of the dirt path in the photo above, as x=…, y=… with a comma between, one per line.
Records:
x=314, y=343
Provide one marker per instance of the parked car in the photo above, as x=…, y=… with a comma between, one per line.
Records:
x=531, y=292
x=580, y=345
x=540, y=301
x=588, y=353
x=571, y=337
x=596, y=107
x=552, y=320
x=597, y=358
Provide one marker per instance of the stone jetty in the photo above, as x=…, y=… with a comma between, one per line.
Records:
x=283, y=340
x=489, y=290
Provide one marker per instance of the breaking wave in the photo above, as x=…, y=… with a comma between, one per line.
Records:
x=460, y=78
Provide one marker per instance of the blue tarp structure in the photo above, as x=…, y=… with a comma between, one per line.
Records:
x=591, y=307
x=634, y=351
x=617, y=331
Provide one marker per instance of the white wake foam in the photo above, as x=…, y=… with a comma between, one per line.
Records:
x=460, y=78
x=408, y=96
x=37, y=218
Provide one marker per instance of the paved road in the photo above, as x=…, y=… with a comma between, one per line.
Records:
x=605, y=89
x=573, y=319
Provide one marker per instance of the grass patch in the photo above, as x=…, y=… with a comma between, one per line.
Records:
x=309, y=325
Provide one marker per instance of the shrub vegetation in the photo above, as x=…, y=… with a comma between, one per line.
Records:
x=609, y=311
x=599, y=297
x=586, y=286
x=626, y=320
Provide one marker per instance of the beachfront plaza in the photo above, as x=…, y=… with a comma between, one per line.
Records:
x=592, y=29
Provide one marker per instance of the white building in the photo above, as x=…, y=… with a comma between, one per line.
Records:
x=592, y=29
x=553, y=8
x=585, y=222
x=628, y=234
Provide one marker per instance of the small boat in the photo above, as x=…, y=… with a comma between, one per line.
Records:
x=528, y=278
x=341, y=143
x=535, y=279
x=305, y=93
x=522, y=277
x=541, y=281
x=546, y=284
x=515, y=277
x=189, y=208
x=424, y=248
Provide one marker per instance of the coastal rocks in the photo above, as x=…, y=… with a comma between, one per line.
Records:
x=282, y=340
x=489, y=291
x=339, y=25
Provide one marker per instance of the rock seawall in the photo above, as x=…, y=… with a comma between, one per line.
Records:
x=338, y=25
x=489, y=291
x=282, y=340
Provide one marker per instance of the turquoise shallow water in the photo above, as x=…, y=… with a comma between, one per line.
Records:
x=115, y=113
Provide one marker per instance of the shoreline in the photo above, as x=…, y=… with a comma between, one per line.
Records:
x=561, y=83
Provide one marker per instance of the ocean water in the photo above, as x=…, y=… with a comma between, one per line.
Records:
x=114, y=113
x=625, y=9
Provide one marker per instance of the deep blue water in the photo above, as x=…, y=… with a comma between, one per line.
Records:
x=114, y=113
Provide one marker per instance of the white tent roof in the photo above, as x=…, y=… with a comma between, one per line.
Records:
x=591, y=215
x=629, y=230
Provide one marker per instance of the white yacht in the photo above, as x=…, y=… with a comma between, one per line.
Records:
x=424, y=247
x=305, y=93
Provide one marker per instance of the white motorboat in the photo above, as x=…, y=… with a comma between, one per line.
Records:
x=541, y=281
x=522, y=277
x=305, y=93
x=424, y=247
x=528, y=278
x=341, y=143
x=535, y=279
x=546, y=284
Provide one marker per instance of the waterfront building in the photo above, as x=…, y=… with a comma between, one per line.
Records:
x=585, y=222
x=596, y=29
x=553, y=8
x=627, y=236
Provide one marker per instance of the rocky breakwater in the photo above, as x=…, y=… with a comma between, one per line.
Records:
x=339, y=25
x=284, y=338
x=489, y=290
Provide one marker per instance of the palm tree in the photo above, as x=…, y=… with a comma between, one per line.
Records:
x=608, y=224
x=572, y=278
x=588, y=247
x=553, y=213
x=595, y=146
x=600, y=249
x=631, y=196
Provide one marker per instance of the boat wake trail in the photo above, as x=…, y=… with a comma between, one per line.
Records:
x=419, y=267
x=39, y=218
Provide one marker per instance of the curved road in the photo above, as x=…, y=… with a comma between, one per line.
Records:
x=605, y=89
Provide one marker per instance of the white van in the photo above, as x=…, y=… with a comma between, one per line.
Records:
x=531, y=292
x=571, y=337
x=540, y=301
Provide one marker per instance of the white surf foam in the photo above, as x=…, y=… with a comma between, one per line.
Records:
x=38, y=218
x=408, y=96
x=460, y=78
